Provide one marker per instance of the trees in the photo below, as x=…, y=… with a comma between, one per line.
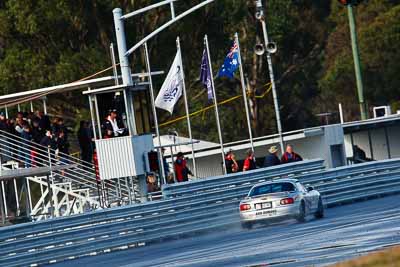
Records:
x=44, y=43
x=378, y=31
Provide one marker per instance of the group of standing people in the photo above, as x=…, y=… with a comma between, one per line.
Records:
x=180, y=171
x=289, y=156
x=271, y=159
x=34, y=128
x=37, y=128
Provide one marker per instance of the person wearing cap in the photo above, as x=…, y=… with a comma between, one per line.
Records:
x=110, y=125
x=290, y=156
x=249, y=162
x=272, y=158
x=181, y=170
x=230, y=162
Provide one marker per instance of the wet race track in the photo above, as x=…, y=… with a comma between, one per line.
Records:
x=346, y=232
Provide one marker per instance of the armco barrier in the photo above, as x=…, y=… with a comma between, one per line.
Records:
x=122, y=213
x=180, y=214
x=235, y=179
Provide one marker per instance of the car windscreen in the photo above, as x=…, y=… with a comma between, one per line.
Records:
x=272, y=188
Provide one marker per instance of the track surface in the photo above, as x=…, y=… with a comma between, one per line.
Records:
x=345, y=232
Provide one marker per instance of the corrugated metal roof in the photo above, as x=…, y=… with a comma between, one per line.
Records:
x=372, y=122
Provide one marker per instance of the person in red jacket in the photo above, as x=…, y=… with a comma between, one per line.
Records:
x=289, y=156
x=230, y=162
x=250, y=161
x=181, y=170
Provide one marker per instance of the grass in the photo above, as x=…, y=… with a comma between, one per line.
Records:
x=384, y=258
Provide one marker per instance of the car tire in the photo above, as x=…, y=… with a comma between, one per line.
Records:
x=320, y=211
x=301, y=217
x=247, y=225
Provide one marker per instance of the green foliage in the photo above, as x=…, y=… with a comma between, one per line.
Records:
x=48, y=42
x=378, y=25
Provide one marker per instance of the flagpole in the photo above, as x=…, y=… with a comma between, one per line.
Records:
x=215, y=104
x=178, y=47
x=160, y=155
x=246, y=106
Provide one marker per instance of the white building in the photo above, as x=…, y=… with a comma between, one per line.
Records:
x=378, y=137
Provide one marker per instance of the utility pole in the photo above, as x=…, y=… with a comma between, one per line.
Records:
x=270, y=48
x=125, y=70
x=357, y=65
x=356, y=56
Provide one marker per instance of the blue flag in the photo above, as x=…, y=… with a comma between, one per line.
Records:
x=231, y=62
x=205, y=75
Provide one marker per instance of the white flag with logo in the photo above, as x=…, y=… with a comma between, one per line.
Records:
x=171, y=90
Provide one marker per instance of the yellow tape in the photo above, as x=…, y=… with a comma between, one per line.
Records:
x=203, y=110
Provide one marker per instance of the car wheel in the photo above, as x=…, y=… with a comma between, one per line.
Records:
x=302, y=213
x=247, y=225
x=320, y=211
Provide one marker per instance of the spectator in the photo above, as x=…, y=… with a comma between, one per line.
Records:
x=181, y=170
x=289, y=156
x=20, y=116
x=250, y=161
x=359, y=155
x=14, y=148
x=44, y=121
x=110, y=125
x=63, y=147
x=19, y=126
x=3, y=122
x=4, y=127
x=49, y=141
x=37, y=136
x=272, y=159
x=62, y=128
x=11, y=126
x=55, y=127
x=37, y=132
x=26, y=147
x=230, y=162
x=152, y=184
x=85, y=142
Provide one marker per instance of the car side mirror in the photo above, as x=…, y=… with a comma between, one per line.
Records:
x=310, y=188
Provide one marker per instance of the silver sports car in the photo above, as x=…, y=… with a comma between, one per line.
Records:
x=280, y=198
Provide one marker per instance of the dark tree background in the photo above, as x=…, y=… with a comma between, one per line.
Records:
x=48, y=42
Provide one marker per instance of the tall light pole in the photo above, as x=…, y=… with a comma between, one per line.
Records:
x=356, y=56
x=123, y=52
x=269, y=48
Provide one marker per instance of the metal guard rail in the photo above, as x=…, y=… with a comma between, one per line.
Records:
x=180, y=189
x=100, y=215
x=124, y=227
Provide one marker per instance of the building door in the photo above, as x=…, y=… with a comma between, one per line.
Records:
x=337, y=156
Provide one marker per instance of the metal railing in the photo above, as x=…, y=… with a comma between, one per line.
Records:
x=246, y=179
x=182, y=214
x=27, y=154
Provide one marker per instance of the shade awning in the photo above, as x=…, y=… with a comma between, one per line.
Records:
x=26, y=96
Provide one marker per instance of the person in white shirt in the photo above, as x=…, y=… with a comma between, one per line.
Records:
x=111, y=125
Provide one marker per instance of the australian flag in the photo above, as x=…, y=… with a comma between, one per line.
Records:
x=205, y=75
x=231, y=62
